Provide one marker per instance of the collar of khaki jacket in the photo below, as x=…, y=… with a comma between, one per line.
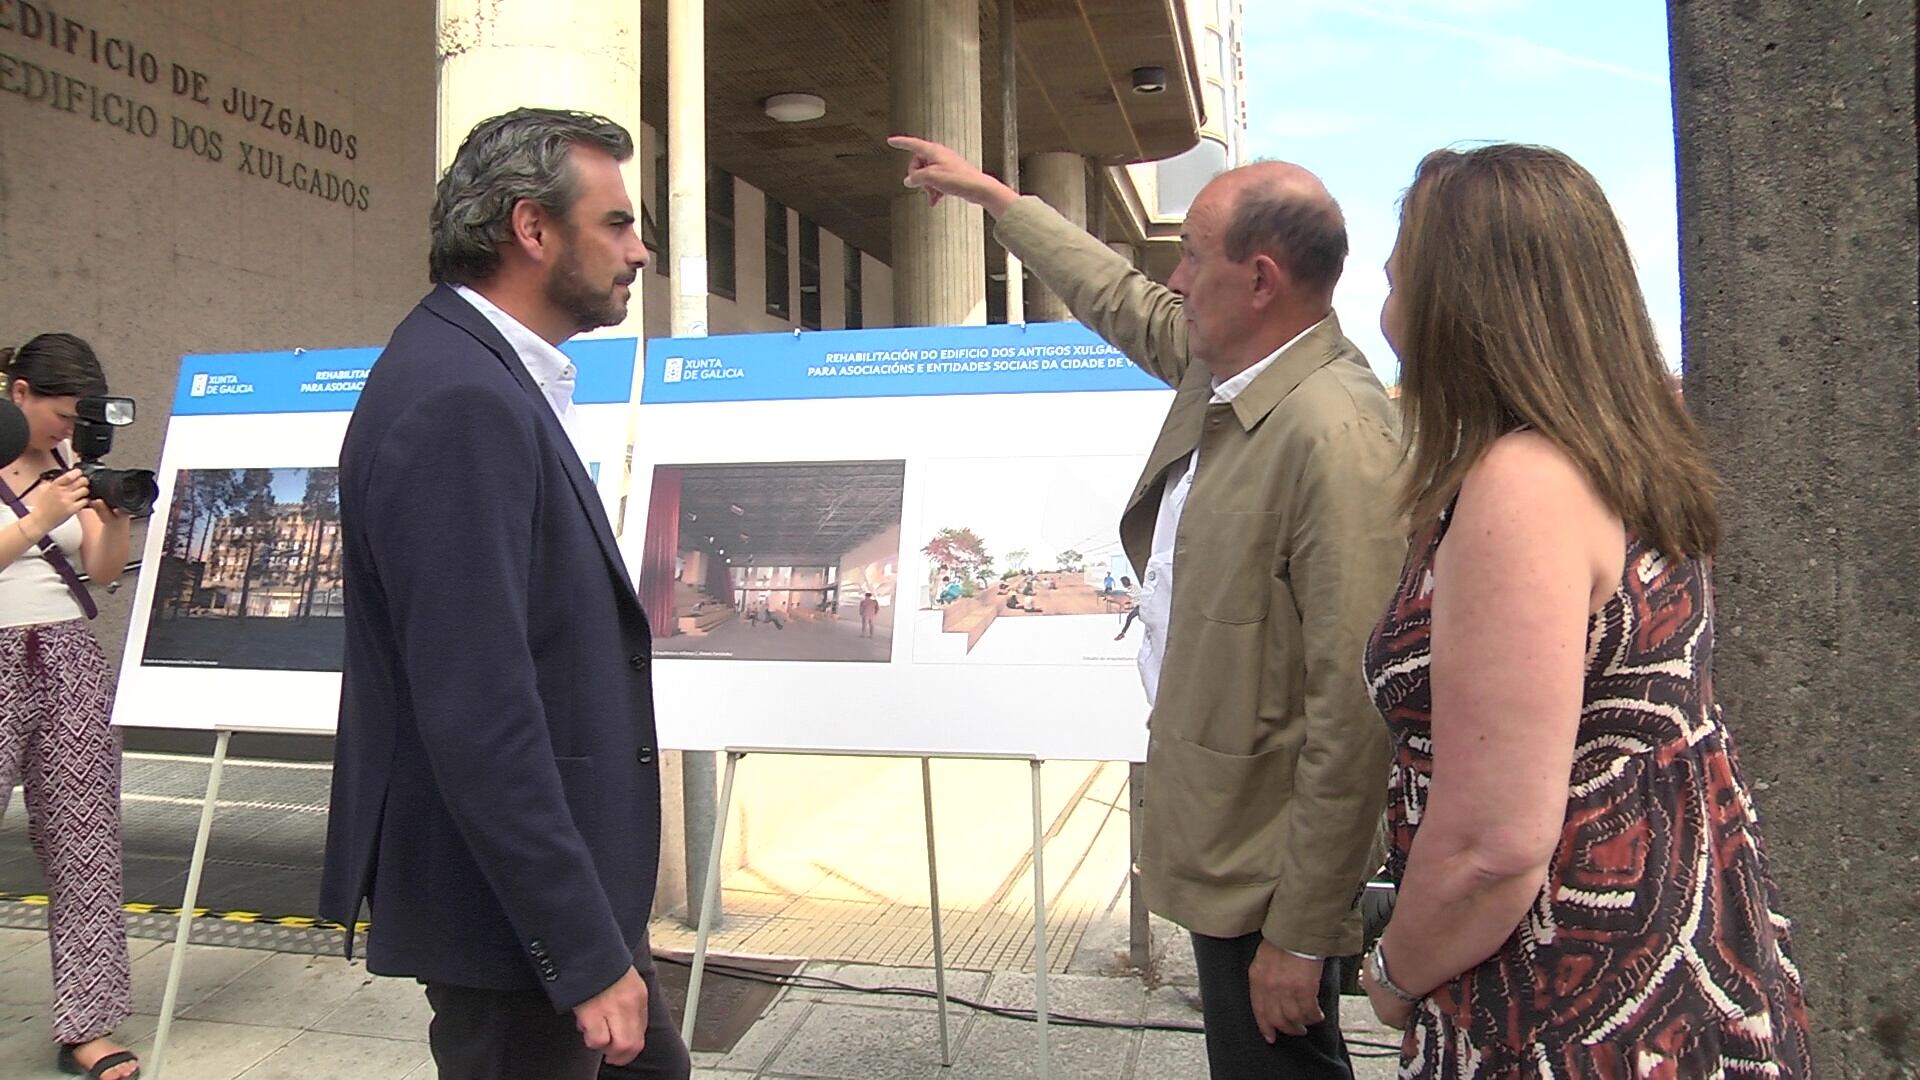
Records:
x=1300, y=358
x=1181, y=434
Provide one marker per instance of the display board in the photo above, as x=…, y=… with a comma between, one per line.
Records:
x=875, y=541
x=892, y=540
x=237, y=612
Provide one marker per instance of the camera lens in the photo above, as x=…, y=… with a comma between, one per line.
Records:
x=131, y=490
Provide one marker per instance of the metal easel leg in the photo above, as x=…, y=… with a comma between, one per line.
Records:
x=178, y=962
x=933, y=894
x=1039, y=925
x=710, y=902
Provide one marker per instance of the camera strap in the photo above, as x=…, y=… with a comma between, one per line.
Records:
x=54, y=556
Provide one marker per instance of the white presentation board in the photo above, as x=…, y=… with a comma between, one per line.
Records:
x=867, y=541
x=236, y=614
x=969, y=479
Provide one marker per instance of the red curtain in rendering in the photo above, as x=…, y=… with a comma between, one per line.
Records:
x=661, y=549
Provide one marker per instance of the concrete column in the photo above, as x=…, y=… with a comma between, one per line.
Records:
x=1797, y=159
x=1061, y=182
x=939, y=252
x=499, y=55
x=1015, y=282
x=684, y=855
x=687, y=164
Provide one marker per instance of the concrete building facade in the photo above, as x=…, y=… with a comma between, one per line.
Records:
x=195, y=176
x=181, y=176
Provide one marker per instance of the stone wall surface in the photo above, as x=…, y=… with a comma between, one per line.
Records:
x=1797, y=164
x=195, y=176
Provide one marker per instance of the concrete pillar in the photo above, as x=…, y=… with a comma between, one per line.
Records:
x=499, y=55
x=939, y=252
x=1797, y=160
x=1015, y=278
x=1060, y=179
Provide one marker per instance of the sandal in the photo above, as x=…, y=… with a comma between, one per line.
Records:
x=107, y=1063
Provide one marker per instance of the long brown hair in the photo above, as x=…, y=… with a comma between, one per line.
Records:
x=1521, y=309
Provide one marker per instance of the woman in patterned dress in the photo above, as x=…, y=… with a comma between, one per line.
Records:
x=56, y=738
x=1583, y=891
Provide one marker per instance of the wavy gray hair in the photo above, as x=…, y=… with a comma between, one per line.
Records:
x=518, y=155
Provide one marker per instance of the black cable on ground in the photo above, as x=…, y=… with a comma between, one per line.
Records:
x=1366, y=1048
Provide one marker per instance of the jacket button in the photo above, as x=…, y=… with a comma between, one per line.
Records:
x=639, y=662
x=644, y=755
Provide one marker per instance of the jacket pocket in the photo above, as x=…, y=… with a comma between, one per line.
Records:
x=1221, y=816
x=1230, y=563
x=576, y=782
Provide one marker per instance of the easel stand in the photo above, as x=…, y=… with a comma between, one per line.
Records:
x=189, y=902
x=712, y=893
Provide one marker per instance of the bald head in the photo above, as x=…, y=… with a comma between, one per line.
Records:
x=1280, y=210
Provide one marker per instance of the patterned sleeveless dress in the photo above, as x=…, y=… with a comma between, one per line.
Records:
x=1655, y=949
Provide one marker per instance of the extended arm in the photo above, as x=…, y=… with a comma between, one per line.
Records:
x=1135, y=314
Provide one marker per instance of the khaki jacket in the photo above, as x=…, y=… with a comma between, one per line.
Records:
x=1266, y=761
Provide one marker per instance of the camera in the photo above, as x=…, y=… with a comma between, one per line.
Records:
x=130, y=490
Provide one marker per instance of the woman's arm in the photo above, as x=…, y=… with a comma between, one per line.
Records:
x=15, y=539
x=105, y=539
x=48, y=505
x=1530, y=553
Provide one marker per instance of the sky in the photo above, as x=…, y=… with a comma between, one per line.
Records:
x=1360, y=91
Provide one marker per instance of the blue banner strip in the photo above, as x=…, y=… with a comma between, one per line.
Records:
x=329, y=380
x=943, y=361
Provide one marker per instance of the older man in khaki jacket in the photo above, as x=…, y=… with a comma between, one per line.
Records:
x=1269, y=498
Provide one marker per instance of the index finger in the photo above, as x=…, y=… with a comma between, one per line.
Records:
x=908, y=142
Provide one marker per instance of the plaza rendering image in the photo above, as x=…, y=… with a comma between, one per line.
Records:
x=789, y=560
x=249, y=573
x=1023, y=562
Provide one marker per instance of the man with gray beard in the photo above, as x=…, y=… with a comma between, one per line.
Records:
x=496, y=796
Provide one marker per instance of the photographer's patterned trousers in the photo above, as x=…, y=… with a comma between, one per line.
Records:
x=56, y=697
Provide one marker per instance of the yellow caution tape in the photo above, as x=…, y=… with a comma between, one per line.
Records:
x=298, y=922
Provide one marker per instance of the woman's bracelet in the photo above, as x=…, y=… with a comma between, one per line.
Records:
x=1377, y=967
x=22, y=526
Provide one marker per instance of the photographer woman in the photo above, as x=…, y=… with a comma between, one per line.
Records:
x=1583, y=891
x=55, y=695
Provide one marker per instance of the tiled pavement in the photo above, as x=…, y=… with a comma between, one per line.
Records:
x=846, y=884
x=262, y=1015
x=851, y=885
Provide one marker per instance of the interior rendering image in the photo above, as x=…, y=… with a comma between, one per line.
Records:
x=792, y=560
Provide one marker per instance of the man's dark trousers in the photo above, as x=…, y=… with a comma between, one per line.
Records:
x=1235, y=1048
x=517, y=1035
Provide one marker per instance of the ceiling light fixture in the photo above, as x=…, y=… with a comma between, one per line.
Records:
x=1149, y=80
x=795, y=108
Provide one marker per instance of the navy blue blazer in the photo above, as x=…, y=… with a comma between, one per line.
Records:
x=495, y=792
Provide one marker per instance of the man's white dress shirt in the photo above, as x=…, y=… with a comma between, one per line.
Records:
x=552, y=372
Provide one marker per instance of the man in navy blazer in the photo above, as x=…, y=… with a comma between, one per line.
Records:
x=496, y=798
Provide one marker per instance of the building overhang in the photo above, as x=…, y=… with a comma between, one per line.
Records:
x=1076, y=60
